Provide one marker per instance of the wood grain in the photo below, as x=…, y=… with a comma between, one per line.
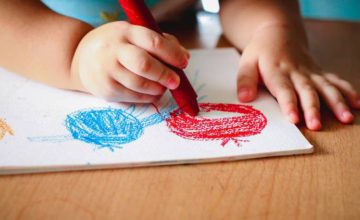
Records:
x=324, y=185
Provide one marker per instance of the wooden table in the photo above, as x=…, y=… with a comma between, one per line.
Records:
x=324, y=185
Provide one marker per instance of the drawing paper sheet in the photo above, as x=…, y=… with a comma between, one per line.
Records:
x=48, y=129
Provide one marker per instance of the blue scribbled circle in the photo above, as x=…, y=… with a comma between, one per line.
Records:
x=104, y=127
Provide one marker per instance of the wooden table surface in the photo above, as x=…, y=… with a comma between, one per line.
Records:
x=323, y=185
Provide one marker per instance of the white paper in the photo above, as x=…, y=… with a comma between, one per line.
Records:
x=47, y=129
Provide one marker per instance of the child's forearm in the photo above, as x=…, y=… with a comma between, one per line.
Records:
x=242, y=19
x=39, y=43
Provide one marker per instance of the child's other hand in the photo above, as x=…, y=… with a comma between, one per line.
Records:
x=281, y=60
x=117, y=62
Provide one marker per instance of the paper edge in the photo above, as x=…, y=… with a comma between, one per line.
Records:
x=32, y=170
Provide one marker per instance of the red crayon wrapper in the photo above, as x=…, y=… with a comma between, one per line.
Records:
x=138, y=14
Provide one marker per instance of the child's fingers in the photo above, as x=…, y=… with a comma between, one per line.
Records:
x=166, y=50
x=345, y=88
x=143, y=64
x=136, y=83
x=112, y=91
x=247, y=80
x=281, y=87
x=175, y=40
x=309, y=100
x=171, y=38
x=333, y=98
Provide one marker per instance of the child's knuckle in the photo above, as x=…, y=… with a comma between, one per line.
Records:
x=144, y=64
x=171, y=37
x=156, y=42
x=347, y=85
x=326, y=83
x=140, y=84
x=331, y=75
x=338, y=101
x=245, y=78
x=313, y=108
x=122, y=25
x=306, y=86
x=284, y=87
x=164, y=75
x=139, y=96
x=312, y=93
x=285, y=66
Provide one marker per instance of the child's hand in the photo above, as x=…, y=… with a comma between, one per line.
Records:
x=281, y=59
x=117, y=62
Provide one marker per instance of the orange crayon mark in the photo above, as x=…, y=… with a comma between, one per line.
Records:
x=4, y=128
x=109, y=16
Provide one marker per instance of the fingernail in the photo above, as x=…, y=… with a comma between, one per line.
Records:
x=187, y=54
x=347, y=116
x=293, y=117
x=315, y=123
x=185, y=62
x=172, y=83
x=244, y=94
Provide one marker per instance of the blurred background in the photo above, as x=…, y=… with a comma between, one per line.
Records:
x=348, y=10
x=317, y=9
x=345, y=10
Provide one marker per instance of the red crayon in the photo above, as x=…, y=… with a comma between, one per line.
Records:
x=184, y=95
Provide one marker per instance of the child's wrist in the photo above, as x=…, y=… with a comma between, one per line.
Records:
x=283, y=29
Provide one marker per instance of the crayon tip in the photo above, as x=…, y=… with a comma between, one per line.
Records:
x=192, y=108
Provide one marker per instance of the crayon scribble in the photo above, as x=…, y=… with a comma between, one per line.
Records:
x=4, y=128
x=110, y=128
x=104, y=127
x=249, y=122
x=109, y=16
x=51, y=139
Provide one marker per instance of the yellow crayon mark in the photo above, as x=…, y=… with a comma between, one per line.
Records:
x=4, y=128
x=108, y=16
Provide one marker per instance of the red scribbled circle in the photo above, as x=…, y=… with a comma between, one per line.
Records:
x=249, y=122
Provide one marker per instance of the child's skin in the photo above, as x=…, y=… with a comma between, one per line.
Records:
x=116, y=61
